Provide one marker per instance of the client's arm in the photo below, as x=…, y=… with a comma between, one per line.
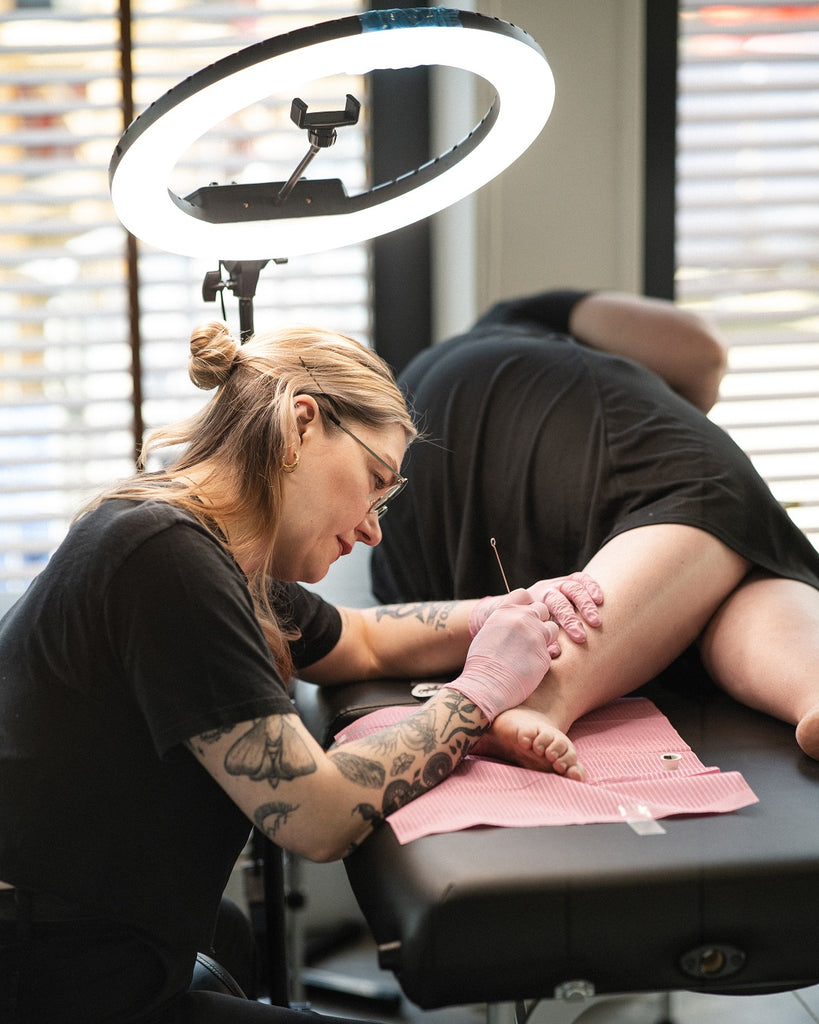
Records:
x=679, y=346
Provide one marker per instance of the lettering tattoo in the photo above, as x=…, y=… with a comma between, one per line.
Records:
x=431, y=613
x=270, y=750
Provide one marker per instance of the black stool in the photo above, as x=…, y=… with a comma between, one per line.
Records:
x=209, y=976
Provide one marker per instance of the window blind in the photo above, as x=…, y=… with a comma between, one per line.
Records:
x=748, y=226
x=93, y=344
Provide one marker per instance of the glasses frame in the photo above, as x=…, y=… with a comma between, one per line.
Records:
x=379, y=504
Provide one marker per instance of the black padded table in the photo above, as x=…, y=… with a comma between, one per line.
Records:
x=724, y=903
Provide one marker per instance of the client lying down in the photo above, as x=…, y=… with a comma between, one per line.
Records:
x=571, y=427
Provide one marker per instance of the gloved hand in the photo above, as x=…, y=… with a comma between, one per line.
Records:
x=508, y=658
x=571, y=600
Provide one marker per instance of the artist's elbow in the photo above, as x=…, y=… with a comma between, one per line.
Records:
x=326, y=854
x=333, y=845
x=320, y=849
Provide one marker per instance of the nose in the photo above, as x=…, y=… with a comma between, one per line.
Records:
x=369, y=530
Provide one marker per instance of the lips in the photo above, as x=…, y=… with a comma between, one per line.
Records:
x=345, y=547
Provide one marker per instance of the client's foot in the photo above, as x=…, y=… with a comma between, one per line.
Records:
x=527, y=738
x=807, y=734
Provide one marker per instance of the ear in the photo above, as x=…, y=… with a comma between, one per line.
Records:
x=306, y=413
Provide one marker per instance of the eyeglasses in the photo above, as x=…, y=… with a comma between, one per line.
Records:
x=380, y=503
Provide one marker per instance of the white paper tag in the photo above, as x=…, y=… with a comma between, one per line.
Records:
x=639, y=818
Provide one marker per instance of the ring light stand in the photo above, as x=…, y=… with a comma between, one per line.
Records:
x=244, y=226
x=243, y=275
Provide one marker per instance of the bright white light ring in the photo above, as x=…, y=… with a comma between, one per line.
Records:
x=151, y=147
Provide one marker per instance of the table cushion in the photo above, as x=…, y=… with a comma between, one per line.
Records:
x=722, y=903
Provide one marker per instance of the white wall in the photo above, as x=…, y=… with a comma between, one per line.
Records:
x=568, y=212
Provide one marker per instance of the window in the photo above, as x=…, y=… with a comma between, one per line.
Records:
x=94, y=344
x=748, y=226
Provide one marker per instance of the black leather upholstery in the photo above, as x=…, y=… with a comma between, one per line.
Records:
x=720, y=903
x=209, y=976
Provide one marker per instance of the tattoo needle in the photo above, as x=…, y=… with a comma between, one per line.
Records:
x=493, y=542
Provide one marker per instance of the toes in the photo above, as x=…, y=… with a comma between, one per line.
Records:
x=527, y=741
x=807, y=734
x=560, y=755
x=570, y=768
x=562, y=763
x=576, y=772
x=532, y=744
x=558, y=748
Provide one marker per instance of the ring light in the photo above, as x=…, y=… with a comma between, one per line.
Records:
x=244, y=222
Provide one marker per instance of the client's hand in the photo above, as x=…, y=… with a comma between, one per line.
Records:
x=508, y=658
x=571, y=600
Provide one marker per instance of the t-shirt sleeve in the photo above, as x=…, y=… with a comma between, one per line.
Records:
x=550, y=310
x=180, y=620
x=318, y=623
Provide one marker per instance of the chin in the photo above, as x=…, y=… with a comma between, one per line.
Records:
x=315, y=575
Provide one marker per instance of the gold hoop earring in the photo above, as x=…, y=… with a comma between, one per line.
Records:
x=290, y=467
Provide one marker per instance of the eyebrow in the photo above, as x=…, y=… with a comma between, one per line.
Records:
x=388, y=462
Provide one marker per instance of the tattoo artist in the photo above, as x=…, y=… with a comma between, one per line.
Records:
x=144, y=716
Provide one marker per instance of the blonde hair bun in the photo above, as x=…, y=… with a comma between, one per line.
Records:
x=213, y=353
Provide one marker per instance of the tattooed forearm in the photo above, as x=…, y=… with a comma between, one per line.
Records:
x=401, y=791
x=452, y=721
x=401, y=763
x=369, y=813
x=269, y=818
x=432, y=613
x=422, y=730
x=416, y=732
x=359, y=769
x=462, y=714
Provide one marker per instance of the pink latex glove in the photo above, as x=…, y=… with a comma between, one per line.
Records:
x=508, y=658
x=571, y=600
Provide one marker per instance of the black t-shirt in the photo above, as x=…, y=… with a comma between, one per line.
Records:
x=554, y=448
x=139, y=634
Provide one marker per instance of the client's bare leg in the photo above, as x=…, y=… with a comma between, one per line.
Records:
x=762, y=647
x=661, y=585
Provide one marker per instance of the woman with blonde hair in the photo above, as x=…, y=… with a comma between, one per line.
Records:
x=145, y=721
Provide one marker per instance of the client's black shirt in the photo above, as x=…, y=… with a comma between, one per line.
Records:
x=553, y=448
